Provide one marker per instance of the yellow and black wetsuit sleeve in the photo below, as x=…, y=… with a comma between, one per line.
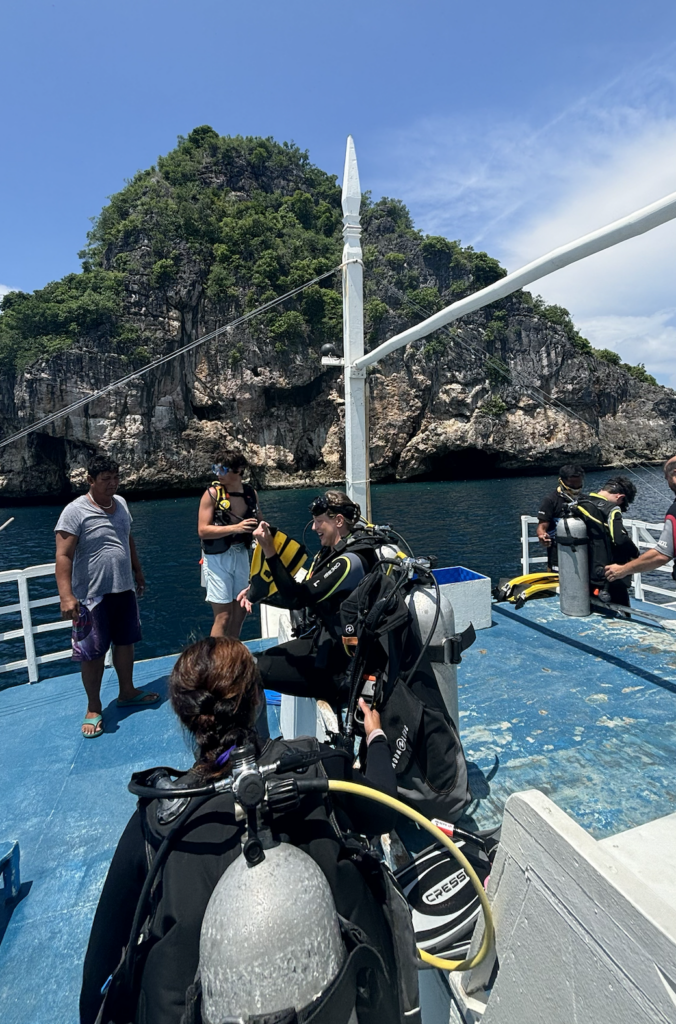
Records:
x=619, y=536
x=341, y=574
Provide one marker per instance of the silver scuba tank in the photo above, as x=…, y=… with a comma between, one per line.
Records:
x=573, y=555
x=422, y=604
x=389, y=551
x=270, y=937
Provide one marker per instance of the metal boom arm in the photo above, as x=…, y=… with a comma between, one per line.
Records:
x=355, y=361
x=619, y=231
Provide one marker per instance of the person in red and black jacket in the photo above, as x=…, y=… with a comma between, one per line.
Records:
x=665, y=548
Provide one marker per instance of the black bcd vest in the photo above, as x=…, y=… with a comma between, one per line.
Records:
x=384, y=968
x=223, y=516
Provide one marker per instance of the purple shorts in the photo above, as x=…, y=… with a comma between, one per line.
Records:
x=114, y=620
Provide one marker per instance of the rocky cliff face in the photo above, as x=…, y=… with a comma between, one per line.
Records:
x=467, y=402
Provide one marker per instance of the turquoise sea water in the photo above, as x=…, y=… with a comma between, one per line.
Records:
x=473, y=523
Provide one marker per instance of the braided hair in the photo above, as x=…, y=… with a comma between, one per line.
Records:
x=214, y=690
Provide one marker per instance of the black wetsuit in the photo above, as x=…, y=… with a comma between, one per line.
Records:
x=314, y=665
x=210, y=842
x=609, y=543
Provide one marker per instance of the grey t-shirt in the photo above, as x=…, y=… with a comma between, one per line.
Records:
x=102, y=563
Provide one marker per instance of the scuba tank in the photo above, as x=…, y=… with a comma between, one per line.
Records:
x=573, y=549
x=270, y=938
x=422, y=606
x=399, y=629
x=272, y=945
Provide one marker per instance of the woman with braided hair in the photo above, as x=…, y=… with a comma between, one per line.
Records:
x=215, y=690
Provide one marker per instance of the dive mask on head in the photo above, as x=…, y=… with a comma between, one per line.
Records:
x=219, y=470
x=574, y=492
x=320, y=505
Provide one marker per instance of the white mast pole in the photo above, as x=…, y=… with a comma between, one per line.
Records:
x=356, y=395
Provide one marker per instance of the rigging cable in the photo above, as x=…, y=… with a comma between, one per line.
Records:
x=536, y=392
x=131, y=377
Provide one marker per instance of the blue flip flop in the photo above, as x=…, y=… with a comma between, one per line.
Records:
x=96, y=721
x=139, y=700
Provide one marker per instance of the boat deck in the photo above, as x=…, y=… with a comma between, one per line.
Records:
x=582, y=709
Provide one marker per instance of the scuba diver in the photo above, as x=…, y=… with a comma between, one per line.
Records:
x=176, y=851
x=609, y=542
x=569, y=488
x=313, y=665
x=369, y=635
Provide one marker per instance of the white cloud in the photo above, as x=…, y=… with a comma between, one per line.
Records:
x=638, y=339
x=4, y=289
x=519, y=191
x=633, y=278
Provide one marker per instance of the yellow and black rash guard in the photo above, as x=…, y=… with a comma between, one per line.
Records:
x=328, y=582
x=609, y=540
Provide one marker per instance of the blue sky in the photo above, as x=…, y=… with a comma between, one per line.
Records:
x=514, y=127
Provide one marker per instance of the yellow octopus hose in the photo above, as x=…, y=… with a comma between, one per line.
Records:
x=336, y=786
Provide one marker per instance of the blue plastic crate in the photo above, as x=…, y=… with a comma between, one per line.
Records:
x=457, y=574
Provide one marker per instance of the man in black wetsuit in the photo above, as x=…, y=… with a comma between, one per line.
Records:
x=314, y=664
x=609, y=542
x=569, y=488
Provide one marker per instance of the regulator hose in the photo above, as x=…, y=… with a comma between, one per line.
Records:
x=336, y=786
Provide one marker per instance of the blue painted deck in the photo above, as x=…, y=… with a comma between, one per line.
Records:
x=583, y=709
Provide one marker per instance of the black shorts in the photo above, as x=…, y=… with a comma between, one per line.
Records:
x=114, y=620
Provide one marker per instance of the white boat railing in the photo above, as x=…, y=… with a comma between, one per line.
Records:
x=28, y=631
x=644, y=535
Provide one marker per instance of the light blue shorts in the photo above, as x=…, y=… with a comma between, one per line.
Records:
x=227, y=574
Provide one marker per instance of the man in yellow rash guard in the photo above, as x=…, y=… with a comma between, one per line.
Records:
x=313, y=665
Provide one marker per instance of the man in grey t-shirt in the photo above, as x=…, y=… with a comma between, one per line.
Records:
x=97, y=573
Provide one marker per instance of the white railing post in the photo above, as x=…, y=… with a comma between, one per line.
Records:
x=636, y=578
x=525, y=553
x=27, y=624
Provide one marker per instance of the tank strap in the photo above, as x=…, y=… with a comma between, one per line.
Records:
x=449, y=651
x=336, y=1003
x=566, y=541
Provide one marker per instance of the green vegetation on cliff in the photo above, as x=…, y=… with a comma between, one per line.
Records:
x=222, y=225
x=35, y=326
